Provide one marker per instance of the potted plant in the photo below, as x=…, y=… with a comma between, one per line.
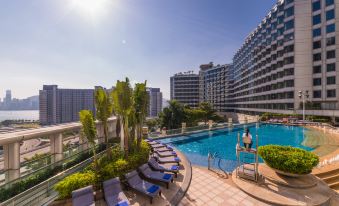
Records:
x=287, y=160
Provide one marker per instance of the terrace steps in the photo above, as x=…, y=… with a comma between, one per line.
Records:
x=331, y=178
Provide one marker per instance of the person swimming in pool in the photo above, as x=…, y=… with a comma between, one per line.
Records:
x=247, y=139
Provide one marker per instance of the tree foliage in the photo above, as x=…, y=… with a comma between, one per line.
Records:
x=122, y=104
x=141, y=107
x=172, y=116
x=104, y=110
x=89, y=130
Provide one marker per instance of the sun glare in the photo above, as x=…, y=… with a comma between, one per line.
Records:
x=90, y=8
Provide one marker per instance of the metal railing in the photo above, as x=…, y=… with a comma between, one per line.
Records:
x=44, y=192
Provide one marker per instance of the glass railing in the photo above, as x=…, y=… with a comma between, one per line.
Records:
x=36, y=171
x=43, y=193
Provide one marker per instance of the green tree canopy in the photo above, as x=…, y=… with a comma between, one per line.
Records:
x=123, y=102
x=104, y=110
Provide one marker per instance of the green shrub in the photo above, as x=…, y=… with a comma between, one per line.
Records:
x=74, y=182
x=288, y=159
x=114, y=169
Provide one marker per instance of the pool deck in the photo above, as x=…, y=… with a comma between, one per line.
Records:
x=212, y=188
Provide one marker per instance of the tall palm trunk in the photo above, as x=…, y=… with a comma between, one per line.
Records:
x=126, y=137
x=108, y=150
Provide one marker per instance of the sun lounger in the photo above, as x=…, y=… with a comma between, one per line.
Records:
x=162, y=168
x=142, y=186
x=83, y=196
x=146, y=171
x=163, y=149
x=159, y=145
x=114, y=195
x=164, y=160
x=166, y=153
x=151, y=142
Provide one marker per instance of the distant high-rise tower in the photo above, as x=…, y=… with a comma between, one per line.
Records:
x=185, y=88
x=155, y=101
x=8, y=97
x=63, y=105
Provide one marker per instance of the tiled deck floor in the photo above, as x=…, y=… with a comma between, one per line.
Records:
x=207, y=188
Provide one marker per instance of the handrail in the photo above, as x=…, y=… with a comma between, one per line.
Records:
x=44, y=189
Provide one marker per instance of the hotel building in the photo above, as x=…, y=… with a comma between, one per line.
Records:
x=185, y=88
x=293, y=49
x=63, y=105
x=215, y=84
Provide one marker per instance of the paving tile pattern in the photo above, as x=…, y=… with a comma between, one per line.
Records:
x=209, y=188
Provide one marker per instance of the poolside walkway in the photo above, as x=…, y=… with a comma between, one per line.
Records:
x=209, y=188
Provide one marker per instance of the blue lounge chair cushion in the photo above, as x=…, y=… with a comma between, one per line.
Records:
x=174, y=153
x=167, y=176
x=123, y=203
x=177, y=159
x=153, y=189
x=174, y=167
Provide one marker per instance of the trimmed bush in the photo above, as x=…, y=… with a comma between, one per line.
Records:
x=288, y=159
x=116, y=167
x=73, y=182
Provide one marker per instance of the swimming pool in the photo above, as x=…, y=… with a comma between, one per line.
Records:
x=196, y=146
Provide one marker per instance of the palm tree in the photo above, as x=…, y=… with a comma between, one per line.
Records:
x=123, y=102
x=173, y=115
x=89, y=131
x=104, y=109
x=141, y=105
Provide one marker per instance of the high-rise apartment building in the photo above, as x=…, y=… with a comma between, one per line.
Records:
x=185, y=88
x=63, y=105
x=155, y=101
x=214, y=86
x=295, y=48
x=8, y=97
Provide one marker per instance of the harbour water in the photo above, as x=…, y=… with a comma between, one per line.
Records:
x=22, y=114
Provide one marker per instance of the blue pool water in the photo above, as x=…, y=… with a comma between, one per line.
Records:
x=196, y=146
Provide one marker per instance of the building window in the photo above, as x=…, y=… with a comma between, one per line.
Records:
x=287, y=2
x=331, y=93
x=316, y=6
x=317, y=94
x=330, y=28
x=330, y=15
x=329, y=2
x=316, y=32
x=281, y=31
x=289, y=25
x=316, y=69
x=289, y=12
x=317, y=57
x=316, y=44
x=330, y=41
x=317, y=19
x=316, y=81
x=330, y=80
x=330, y=67
x=289, y=37
x=280, y=19
x=289, y=83
x=289, y=60
x=289, y=48
x=330, y=54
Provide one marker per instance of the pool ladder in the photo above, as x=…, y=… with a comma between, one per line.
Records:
x=211, y=157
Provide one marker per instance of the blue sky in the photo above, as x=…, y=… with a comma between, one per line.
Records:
x=80, y=44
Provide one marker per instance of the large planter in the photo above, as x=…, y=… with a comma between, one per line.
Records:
x=288, y=161
x=288, y=174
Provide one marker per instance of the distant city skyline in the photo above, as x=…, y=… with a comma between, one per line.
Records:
x=81, y=46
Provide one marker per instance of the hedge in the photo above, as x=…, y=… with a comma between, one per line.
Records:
x=116, y=167
x=288, y=159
